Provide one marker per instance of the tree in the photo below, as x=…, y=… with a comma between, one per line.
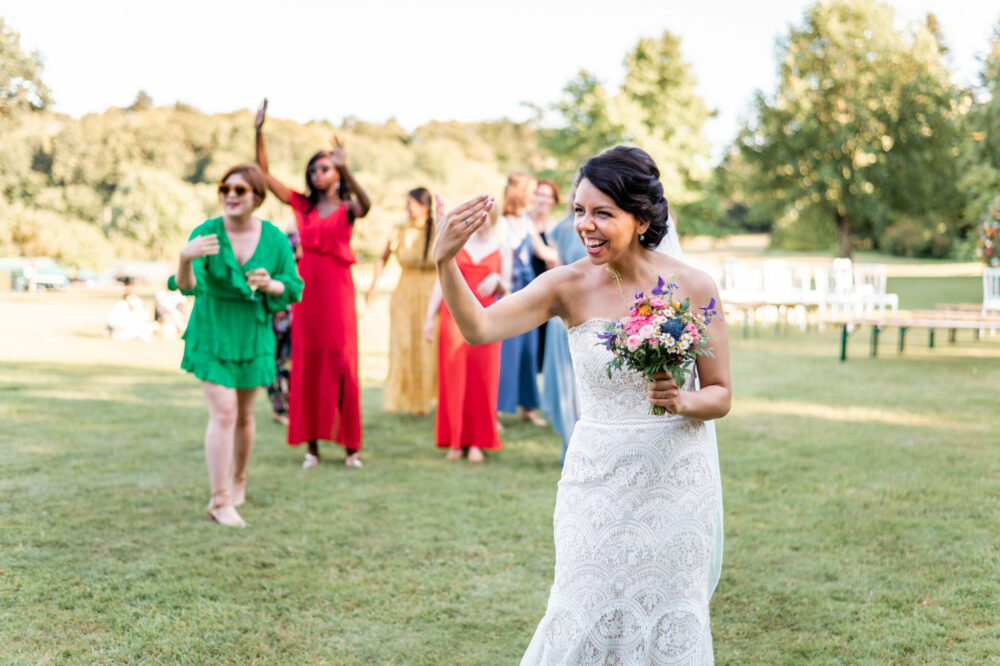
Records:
x=21, y=86
x=863, y=127
x=656, y=109
x=981, y=174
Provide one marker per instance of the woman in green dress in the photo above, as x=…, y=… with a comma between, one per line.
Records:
x=240, y=269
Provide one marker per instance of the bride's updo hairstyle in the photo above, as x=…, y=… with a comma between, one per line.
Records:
x=629, y=176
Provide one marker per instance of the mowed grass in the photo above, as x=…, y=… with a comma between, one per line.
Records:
x=861, y=510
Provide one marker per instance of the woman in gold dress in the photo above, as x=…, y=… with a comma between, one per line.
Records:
x=412, y=382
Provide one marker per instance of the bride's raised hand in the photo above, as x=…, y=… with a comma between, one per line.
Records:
x=261, y=114
x=458, y=225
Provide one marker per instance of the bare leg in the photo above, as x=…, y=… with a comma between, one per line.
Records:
x=246, y=432
x=222, y=413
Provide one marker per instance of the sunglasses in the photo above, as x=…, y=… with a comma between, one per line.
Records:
x=238, y=190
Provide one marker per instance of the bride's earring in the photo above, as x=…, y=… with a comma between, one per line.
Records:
x=641, y=238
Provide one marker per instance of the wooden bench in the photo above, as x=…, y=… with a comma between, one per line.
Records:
x=926, y=319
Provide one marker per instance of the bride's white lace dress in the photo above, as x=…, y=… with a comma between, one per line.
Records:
x=636, y=514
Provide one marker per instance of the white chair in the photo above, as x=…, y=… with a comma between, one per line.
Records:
x=991, y=290
x=870, y=282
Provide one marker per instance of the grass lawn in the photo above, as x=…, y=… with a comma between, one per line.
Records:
x=861, y=508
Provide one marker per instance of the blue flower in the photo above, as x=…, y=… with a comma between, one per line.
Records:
x=673, y=327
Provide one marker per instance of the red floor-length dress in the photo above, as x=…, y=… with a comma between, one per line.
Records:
x=324, y=400
x=468, y=375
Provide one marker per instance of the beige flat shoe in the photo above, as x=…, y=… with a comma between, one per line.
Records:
x=454, y=454
x=238, y=492
x=220, y=511
x=353, y=460
x=475, y=454
x=310, y=461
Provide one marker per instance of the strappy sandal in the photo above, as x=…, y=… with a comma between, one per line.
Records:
x=353, y=460
x=310, y=461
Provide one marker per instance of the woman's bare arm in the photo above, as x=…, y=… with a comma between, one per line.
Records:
x=280, y=190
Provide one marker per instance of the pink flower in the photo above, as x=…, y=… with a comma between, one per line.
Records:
x=646, y=332
x=692, y=331
x=633, y=324
x=658, y=303
x=633, y=342
x=654, y=343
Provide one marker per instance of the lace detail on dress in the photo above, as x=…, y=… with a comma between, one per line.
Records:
x=635, y=516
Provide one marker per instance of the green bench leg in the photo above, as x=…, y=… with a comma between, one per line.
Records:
x=930, y=338
x=902, y=338
x=875, y=331
x=951, y=336
x=843, y=343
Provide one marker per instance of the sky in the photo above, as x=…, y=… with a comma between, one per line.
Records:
x=421, y=61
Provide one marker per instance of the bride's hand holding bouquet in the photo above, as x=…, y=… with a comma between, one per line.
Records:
x=661, y=339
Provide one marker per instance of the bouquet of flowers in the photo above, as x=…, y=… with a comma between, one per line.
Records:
x=659, y=335
x=988, y=248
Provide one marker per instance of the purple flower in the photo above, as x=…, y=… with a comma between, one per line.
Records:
x=658, y=289
x=607, y=337
x=709, y=310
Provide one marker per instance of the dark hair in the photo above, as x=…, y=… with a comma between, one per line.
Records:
x=343, y=191
x=629, y=176
x=423, y=197
x=254, y=177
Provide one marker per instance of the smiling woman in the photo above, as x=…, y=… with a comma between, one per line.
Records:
x=239, y=268
x=638, y=504
x=324, y=400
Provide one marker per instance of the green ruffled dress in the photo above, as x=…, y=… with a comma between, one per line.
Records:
x=229, y=340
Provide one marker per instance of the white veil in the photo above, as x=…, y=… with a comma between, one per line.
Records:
x=671, y=246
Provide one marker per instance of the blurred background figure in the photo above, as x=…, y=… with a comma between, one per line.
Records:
x=281, y=324
x=128, y=319
x=170, y=313
x=468, y=374
x=559, y=399
x=518, y=387
x=324, y=395
x=411, y=385
x=545, y=198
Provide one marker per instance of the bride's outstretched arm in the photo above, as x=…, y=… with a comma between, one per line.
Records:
x=508, y=317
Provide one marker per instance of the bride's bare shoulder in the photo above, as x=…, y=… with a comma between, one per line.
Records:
x=697, y=282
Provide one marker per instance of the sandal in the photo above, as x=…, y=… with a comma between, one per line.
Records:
x=310, y=461
x=353, y=460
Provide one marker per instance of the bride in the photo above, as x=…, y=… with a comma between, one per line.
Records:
x=638, y=509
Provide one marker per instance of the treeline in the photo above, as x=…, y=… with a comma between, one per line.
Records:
x=867, y=142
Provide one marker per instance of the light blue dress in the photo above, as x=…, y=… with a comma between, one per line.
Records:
x=559, y=398
x=519, y=355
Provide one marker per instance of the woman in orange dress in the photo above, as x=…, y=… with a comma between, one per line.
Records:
x=324, y=400
x=468, y=375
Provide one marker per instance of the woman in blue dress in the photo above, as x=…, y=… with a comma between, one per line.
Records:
x=559, y=399
x=519, y=355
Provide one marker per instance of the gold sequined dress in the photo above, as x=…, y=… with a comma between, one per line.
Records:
x=412, y=382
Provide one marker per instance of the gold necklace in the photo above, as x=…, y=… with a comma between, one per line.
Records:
x=618, y=281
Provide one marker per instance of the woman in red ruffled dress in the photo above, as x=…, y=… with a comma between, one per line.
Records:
x=468, y=375
x=324, y=400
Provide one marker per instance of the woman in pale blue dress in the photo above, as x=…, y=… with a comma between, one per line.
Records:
x=559, y=399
